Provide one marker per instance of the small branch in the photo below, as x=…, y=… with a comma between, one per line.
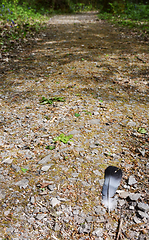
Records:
x=141, y=60
x=119, y=229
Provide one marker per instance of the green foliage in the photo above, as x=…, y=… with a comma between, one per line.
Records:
x=81, y=7
x=137, y=11
x=87, y=113
x=63, y=138
x=51, y=147
x=141, y=130
x=51, y=100
x=18, y=21
x=128, y=14
x=24, y=170
x=77, y=115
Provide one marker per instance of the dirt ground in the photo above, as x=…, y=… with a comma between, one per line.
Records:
x=96, y=76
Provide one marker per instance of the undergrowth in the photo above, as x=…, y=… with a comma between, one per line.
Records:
x=132, y=15
x=19, y=22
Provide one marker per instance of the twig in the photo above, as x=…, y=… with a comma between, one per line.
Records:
x=119, y=229
x=53, y=119
x=140, y=59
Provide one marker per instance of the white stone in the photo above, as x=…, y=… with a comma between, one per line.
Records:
x=98, y=232
x=45, y=159
x=143, y=206
x=132, y=180
x=54, y=202
x=134, y=196
x=22, y=183
x=46, y=167
x=7, y=160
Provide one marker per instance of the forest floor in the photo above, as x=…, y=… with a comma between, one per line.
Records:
x=94, y=78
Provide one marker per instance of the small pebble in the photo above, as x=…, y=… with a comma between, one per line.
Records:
x=54, y=202
x=40, y=216
x=132, y=180
x=98, y=232
x=134, y=196
x=143, y=206
x=143, y=214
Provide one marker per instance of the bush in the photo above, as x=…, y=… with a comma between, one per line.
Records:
x=18, y=21
x=137, y=11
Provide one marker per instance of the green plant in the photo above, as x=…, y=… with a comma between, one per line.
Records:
x=62, y=138
x=18, y=22
x=141, y=130
x=128, y=14
x=44, y=100
x=87, y=113
x=51, y=147
x=77, y=115
x=24, y=170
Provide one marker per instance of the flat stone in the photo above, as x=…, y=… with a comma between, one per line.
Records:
x=7, y=161
x=76, y=212
x=32, y=200
x=99, y=210
x=51, y=187
x=40, y=216
x=132, y=180
x=94, y=121
x=131, y=123
x=123, y=194
x=56, y=227
x=46, y=167
x=31, y=220
x=75, y=175
x=143, y=214
x=96, y=172
x=134, y=196
x=98, y=232
x=74, y=132
x=136, y=220
x=131, y=207
x=89, y=219
x=95, y=113
x=121, y=202
x=142, y=151
x=143, y=206
x=22, y=183
x=2, y=195
x=78, y=219
x=6, y=213
x=45, y=159
x=54, y=202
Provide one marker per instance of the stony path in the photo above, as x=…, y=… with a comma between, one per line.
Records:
x=102, y=74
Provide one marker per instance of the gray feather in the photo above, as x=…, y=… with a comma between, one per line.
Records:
x=113, y=176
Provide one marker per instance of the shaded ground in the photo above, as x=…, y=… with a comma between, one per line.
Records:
x=102, y=72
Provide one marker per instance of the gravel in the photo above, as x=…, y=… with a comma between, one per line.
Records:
x=56, y=194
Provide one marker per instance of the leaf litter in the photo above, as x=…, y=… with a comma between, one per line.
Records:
x=113, y=90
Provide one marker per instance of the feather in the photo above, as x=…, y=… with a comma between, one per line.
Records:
x=113, y=176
